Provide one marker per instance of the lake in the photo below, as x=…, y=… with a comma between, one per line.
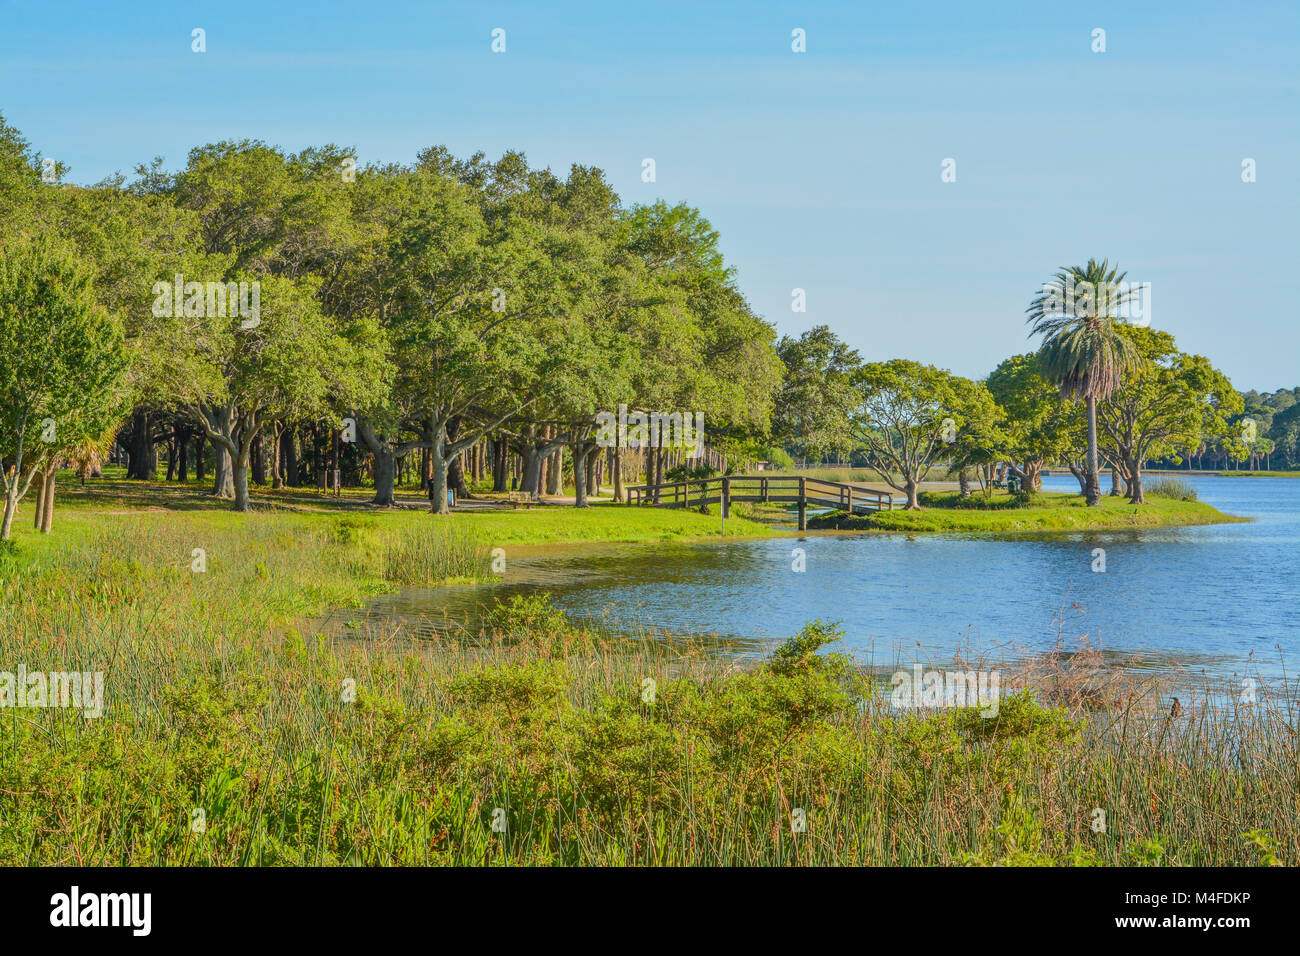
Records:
x=1203, y=597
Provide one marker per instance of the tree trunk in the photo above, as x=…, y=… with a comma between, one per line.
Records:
x=963, y=483
x=40, y=501
x=438, y=479
x=258, y=462
x=912, y=488
x=580, y=452
x=1135, y=483
x=223, y=484
x=385, y=463
x=500, y=464
x=385, y=476
x=1032, y=473
x=456, y=476
x=456, y=468
x=657, y=463
x=1081, y=477
x=616, y=471
x=289, y=451
x=1094, y=483
x=47, y=496
x=11, y=503
x=240, y=481
x=143, y=461
x=1114, y=480
x=277, y=455
x=555, y=473
x=543, y=466
x=532, y=469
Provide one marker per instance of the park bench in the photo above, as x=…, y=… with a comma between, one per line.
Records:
x=524, y=499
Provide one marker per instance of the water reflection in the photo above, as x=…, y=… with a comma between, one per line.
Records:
x=1198, y=598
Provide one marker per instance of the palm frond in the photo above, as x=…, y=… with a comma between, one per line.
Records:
x=1082, y=351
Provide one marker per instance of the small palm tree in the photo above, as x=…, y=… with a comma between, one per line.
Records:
x=1082, y=351
x=89, y=454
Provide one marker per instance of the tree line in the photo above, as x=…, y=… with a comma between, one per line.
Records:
x=447, y=307
x=1098, y=390
x=296, y=316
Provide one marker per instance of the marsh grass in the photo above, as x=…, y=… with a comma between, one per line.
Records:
x=373, y=748
x=434, y=551
x=1175, y=488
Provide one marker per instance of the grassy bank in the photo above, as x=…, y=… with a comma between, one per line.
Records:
x=1258, y=474
x=1045, y=511
x=234, y=734
x=606, y=522
x=81, y=508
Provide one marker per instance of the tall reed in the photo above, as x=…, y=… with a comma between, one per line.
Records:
x=549, y=742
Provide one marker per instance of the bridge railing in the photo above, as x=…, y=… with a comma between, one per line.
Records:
x=761, y=488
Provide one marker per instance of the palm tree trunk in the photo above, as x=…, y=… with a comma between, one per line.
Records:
x=1094, y=485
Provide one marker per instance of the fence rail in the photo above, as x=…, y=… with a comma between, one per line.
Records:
x=799, y=490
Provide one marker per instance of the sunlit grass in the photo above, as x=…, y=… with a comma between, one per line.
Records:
x=370, y=747
x=999, y=512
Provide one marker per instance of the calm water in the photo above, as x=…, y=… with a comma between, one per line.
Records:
x=1198, y=597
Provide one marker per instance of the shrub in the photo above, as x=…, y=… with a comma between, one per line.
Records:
x=777, y=456
x=978, y=501
x=799, y=653
x=527, y=615
x=686, y=471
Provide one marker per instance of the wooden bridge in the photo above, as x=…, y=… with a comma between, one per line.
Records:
x=799, y=490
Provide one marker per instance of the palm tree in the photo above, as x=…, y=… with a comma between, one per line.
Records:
x=1082, y=351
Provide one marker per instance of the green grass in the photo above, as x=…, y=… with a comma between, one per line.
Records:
x=1048, y=511
x=603, y=521
x=1258, y=474
x=606, y=522
x=370, y=747
x=301, y=748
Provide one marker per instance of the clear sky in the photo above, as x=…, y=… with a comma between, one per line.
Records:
x=821, y=170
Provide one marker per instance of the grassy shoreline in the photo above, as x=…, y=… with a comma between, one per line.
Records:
x=304, y=748
x=1048, y=512
x=217, y=701
x=606, y=521
x=1257, y=474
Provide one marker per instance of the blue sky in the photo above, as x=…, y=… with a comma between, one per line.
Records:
x=821, y=170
